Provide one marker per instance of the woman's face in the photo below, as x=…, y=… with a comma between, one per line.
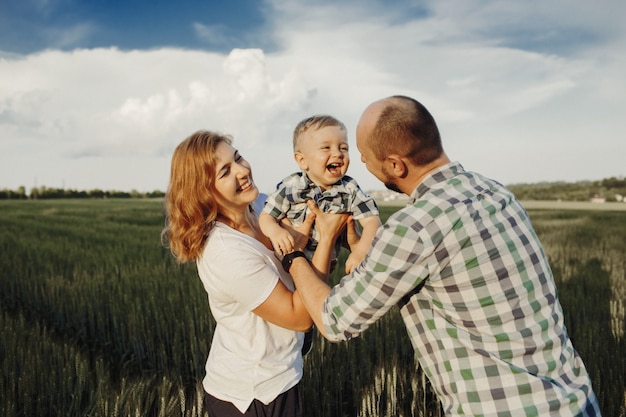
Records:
x=233, y=180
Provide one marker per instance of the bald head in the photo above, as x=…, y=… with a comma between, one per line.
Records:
x=400, y=125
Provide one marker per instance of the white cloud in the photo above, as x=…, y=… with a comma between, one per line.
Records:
x=515, y=114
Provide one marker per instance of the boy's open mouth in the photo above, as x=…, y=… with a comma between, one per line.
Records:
x=334, y=168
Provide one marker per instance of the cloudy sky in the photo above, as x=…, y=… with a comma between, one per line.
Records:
x=96, y=94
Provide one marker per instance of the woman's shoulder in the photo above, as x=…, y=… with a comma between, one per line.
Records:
x=226, y=244
x=222, y=236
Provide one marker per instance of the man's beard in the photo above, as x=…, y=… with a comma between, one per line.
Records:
x=393, y=187
x=389, y=183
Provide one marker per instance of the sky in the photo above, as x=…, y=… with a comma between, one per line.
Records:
x=97, y=94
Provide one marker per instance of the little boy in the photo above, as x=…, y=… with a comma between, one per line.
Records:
x=320, y=147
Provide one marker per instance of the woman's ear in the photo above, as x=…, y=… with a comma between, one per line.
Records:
x=301, y=161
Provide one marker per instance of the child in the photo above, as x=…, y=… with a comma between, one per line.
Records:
x=320, y=147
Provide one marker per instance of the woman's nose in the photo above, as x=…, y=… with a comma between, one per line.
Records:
x=243, y=170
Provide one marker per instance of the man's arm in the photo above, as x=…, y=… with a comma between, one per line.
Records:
x=311, y=288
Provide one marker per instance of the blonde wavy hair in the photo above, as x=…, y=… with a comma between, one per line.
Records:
x=190, y=204
x=316, y=122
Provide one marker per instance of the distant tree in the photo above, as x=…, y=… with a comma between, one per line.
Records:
x=19, y=194
x=155, y=194
x=96, y=193
x=610, y=188
x=613, y=182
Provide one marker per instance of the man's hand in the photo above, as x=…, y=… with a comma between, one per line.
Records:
x=330, y=225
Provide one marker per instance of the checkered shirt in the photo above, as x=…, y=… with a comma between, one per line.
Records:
x=289, y=200
x=477, y=296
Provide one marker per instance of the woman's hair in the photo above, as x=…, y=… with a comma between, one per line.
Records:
x=190, y=204
x=314, y=122
x=407, y=128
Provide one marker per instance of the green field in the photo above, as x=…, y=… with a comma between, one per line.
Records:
x=98, y=320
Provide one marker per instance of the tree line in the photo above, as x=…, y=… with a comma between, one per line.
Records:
x=611, y=189
x=43, y=192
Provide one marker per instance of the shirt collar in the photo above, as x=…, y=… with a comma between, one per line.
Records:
x=439, y=175
x=307, y=184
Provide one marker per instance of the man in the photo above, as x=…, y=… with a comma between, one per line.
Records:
x=464, y=265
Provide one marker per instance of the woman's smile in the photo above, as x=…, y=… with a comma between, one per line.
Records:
x=246, y=186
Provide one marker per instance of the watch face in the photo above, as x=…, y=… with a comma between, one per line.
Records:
x=288, y=259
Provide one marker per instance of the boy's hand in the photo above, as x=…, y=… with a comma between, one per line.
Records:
x=354, y=259
x=282, y=241
x=351, y=263
x=353, y=236
x=299, y=234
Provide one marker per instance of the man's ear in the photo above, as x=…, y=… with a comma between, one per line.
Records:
x=300, y=160
x=396, y=166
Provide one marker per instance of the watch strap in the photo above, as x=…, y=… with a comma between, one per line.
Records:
x=288, y=259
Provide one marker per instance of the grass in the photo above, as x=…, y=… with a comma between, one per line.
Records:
x=98, y=320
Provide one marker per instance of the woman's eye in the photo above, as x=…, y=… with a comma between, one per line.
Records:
x=223, y=173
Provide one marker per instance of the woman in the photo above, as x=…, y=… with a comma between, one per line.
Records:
x=254, y=364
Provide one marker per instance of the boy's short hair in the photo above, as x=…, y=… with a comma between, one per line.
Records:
x=316, y=122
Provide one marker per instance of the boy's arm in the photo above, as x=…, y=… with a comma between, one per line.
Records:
x=281, y=239
x=358, y=250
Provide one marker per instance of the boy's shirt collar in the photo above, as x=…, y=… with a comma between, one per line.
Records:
x=335, y=189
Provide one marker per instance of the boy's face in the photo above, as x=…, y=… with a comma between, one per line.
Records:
x=323, y=155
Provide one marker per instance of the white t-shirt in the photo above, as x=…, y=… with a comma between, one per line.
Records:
x=249, y=357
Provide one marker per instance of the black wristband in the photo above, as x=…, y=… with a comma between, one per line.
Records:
x=288, y=259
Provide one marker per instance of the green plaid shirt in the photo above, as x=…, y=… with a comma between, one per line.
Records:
x=477, y=295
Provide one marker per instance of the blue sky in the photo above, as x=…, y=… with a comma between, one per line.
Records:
x=30, y=26
x=96, y=94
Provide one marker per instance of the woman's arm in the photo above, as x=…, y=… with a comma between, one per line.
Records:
x=283, y=307
x=287, y=309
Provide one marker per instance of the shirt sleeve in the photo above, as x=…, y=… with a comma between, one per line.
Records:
x=363, y=205
x=238, y=273
x=277, y=204
x=396, y=265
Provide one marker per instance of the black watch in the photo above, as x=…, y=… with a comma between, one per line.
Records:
x=288, y=259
